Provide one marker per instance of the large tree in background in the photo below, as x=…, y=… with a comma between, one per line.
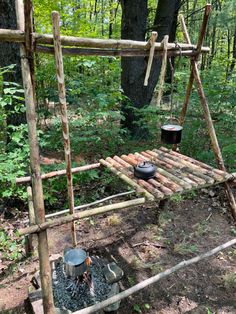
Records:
x=10, y=53
x=134, y=27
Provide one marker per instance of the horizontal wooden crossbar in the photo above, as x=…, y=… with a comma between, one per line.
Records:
x=114, y=52
x=76, y=216
x=72, y=41
x=58, y=173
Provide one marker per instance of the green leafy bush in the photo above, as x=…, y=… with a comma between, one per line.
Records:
x=14, y=157
x=11, y=247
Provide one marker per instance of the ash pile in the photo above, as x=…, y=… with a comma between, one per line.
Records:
x=80, y=281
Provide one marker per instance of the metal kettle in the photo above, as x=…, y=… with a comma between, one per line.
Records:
x=145, y=170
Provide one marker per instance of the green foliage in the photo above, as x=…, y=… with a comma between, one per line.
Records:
x=10, y=246
x=15, y=152
x=137, y=308
x=81, y=18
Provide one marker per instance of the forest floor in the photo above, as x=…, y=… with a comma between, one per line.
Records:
x=145, y=241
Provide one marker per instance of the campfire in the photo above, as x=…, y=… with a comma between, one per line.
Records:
x=77, y=268
x=80, y=280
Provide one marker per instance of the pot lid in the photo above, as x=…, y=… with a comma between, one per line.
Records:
x=145, y=164
x=75, y=257
x=172, y=127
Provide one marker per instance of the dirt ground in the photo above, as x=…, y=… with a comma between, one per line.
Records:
x=146, y=240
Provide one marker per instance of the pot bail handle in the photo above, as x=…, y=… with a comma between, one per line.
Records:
x=172, y=119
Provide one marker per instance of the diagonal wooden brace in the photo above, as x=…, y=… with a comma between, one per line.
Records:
x=195, y=76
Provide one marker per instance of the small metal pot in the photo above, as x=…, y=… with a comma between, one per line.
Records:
x=75, y=262
x=145, y=170
x=171, y=133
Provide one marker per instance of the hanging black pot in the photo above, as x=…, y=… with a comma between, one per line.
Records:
x=145, y=170
x=171, y=133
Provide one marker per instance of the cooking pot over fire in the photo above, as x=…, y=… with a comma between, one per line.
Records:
x=76, y=262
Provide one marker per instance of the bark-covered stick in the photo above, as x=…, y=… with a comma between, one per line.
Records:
x=59, y=173
x=66, y=211
x=114, y=52
x=71, y=41
x=64, y=117
x=163, y=70
x=198, y=50
x=84, y=214
x=151, y=55
x=214, y=140
x=109, y=43
x=45, y=270
x=154, y=279
x=191, y=79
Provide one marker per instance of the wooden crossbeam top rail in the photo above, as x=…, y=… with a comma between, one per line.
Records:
x=111, y=43
x=114, y=52
x=72, y=41
x=12, y=35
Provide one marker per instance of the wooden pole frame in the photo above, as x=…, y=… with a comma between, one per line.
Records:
x=72, y=41
x=64, y=118
x=29, y=41
x=45, y=269
x=58, y=173
x=195, y=76
x=84, y=214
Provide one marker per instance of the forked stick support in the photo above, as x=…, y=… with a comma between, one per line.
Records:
x=150, y=43
x=163, y=69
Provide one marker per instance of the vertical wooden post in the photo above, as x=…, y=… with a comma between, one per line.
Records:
x=45, y=271
x=64, y=118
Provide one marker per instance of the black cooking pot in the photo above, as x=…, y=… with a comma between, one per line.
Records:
x=171, y=133
x=145, y=170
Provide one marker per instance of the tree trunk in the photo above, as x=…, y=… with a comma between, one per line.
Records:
x=10, y=54
x=134, y=21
